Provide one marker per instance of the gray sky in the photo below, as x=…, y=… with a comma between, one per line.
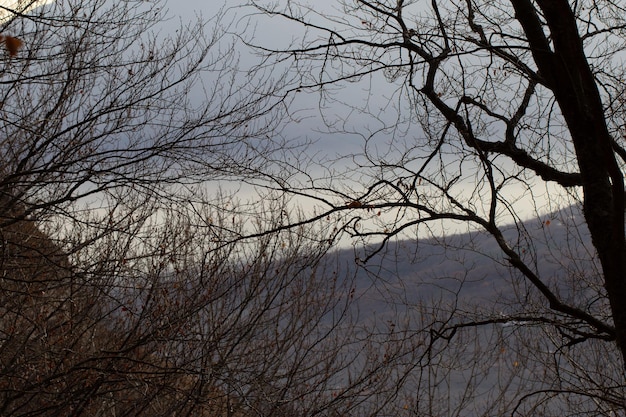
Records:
x=375, y=94
x=20, y=6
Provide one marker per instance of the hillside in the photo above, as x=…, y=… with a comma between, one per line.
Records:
x=469, y=267
x=397, y=331
x=468, y=331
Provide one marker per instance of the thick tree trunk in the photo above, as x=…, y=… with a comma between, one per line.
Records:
x=565, y=70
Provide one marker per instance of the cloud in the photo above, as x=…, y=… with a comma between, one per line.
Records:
x=9, y=8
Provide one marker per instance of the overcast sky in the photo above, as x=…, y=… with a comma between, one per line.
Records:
x=19, y=5
x=376, y=91
x=276, y=31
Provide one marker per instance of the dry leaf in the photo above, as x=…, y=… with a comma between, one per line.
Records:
x=11, y=44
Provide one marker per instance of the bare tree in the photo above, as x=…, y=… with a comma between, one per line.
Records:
x=100, y=97
x=165, y=320
x=490, y=111
x=126, y=289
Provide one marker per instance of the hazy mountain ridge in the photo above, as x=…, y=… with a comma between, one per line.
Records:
x=421, y=289
x=470, y=266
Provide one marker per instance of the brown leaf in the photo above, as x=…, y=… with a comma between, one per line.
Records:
x=12, y=44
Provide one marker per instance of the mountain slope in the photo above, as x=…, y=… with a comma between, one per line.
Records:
x=471, y=269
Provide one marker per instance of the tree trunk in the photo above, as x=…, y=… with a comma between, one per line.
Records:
x=565, y=70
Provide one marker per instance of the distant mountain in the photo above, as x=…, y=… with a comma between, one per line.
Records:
x=469, y=266
x=417, y=290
